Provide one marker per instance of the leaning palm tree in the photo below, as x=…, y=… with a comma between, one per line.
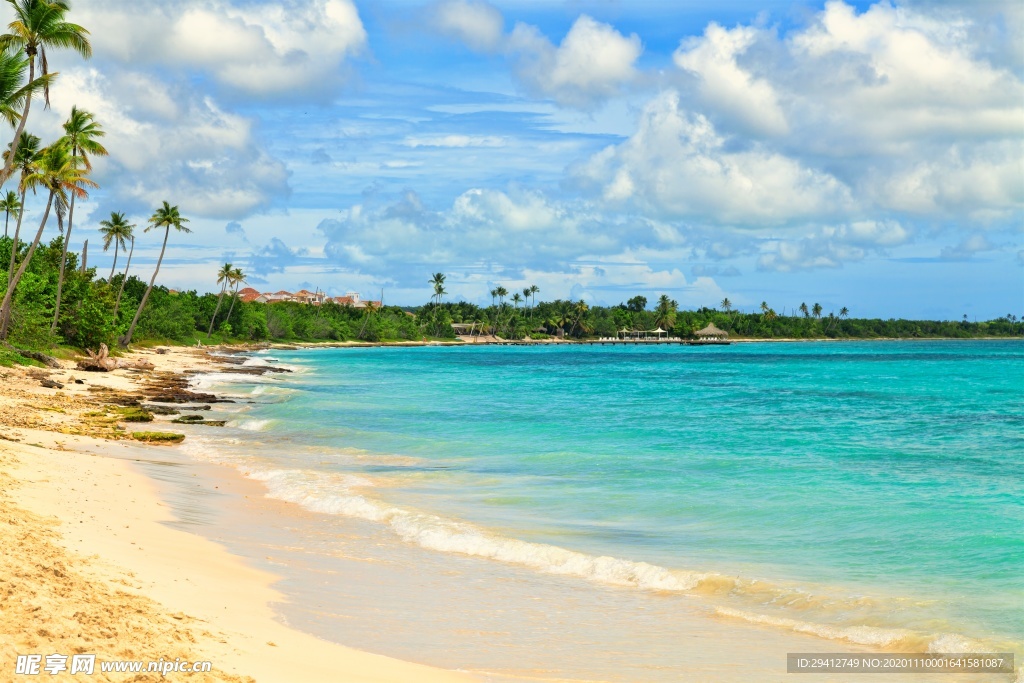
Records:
x=117, y=231
x=38, y=25
x=237, y=279
x=124, y=278
x=165, y=217
x=25, y=160
x=223, y=279
x=10, y=202
x=80, y=134
x=59, y=173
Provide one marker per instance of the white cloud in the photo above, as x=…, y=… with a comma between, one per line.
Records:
x=477, y=24
x=454, y=141
x=592, y=63
x=968, y=247
x=727, y=86
x=168, y=143
x=257, y=48
x=831, y=246
x=677, y=165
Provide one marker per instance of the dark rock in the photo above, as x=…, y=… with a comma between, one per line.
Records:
x=50, y=384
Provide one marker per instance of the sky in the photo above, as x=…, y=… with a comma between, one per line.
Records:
x=866, y=155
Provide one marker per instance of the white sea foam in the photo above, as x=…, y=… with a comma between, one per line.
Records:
x=252, y=425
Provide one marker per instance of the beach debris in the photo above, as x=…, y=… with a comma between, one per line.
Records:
x=48, y=361
x=99, y=361
x=51, y=384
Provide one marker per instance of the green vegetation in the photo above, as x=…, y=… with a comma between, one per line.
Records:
x=158, y=437
x=135, y=414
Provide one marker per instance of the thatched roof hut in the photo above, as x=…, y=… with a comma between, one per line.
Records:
x=711, y=332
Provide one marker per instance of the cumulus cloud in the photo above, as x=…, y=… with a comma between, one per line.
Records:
x=475, y=23
x=967, y=248
x=677, y=165
x=454, y=140
x=831, y=246
x=258, y=48
x=592, y=63
x=275, y=257
x=167, y=142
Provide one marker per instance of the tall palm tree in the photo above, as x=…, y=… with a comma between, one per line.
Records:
x=80, y=134
x=37, y=25
x=25, y=159
x=438, y=283
x=13, y=65
x=806, y=311
x=237, y=279
x=494, y=294
x=10, y=202
x=59, y=173
x=117, y=230
x=502, y=293
x=526, y=296
x=165, y=217
x=516, y=298
x=816, y=310
x=223, y=279
x=843, y=312
x=764, y=307
x=666, y=312
x=726, y=305
x=124, y=278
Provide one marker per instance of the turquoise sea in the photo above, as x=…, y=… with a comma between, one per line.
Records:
x=865, y=493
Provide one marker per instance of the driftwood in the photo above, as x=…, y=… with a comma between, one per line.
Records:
x=102, y=362
x=48, y=361
x=50, y=384
x=98, y=362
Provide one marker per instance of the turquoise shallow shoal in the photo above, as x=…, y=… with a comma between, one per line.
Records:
x=891, y=470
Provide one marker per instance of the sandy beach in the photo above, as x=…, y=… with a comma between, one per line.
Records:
x=91, y=567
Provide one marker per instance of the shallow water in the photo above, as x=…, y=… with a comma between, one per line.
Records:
x=867, y=493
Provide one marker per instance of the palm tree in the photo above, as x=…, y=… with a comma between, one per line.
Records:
x=13, y=65
x=39, y=24
x=80, y=134
x=438, y=283
x=25, y=159
x=124, y=278
x=533, y=294
x=843, y=312
x=764, y=307
x=526, y=296
x=9, y=203
x=666, y=312
x=223, y=279
x=165, y=217
x=516, y=298
x=816, y=310
x=58, y=172
x=115, y=231
x=502, y=293
x=726, y=305
x=580, y=310
x=805, y=310
x=237, y=278
x=494, y=294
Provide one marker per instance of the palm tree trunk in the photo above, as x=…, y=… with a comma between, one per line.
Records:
x=5, y=307
x=114, y=265
x=216, y=310
x=142, y=304
x=6, y=221
x=9, y=164
x=234, y=298
x=120, y=291
x=63, y=262
x=14, y=245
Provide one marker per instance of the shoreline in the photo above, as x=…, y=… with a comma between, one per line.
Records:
x=97, y=554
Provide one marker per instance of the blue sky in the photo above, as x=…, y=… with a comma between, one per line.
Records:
x=866, y=155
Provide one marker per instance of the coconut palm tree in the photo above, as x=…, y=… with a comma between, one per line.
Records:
x=25, y=160
x=10, y=202
x=117, y=230
x=806, y=311
x=502, y=293
x=237, y=279
x=843, y=312
x=666, y=312
x=516, y=299
x=816, y=310
x=124, y=278
x=38, y=25
x=726, y=305
x=58, y=172
x=437, y=281
x=80, y=134
x=13, y=65
x=165, y=217
x=764, y=307
x=223, y=279
x=533, y=295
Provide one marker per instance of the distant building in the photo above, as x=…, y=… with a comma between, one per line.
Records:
x=248, y=294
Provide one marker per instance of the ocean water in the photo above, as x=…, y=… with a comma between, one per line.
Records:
x=869, y=494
